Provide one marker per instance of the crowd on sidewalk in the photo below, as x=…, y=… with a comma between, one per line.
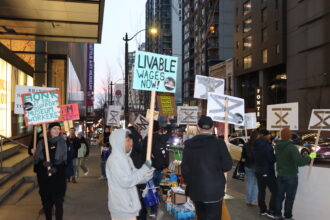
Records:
x=205, y=161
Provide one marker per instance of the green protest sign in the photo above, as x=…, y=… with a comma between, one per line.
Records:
x=41, y=107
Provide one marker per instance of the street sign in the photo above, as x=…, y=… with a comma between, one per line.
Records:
x=155, y=72
x=187, y=115
x=113, y=118
x=41, y=107
x=217, y=109
x=204, y=85
x=320, y=120
x=166, y=104
x=282, y=116
x=18, y=109
x=69, y=112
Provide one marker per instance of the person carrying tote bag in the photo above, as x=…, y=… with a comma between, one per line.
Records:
x=83, y=152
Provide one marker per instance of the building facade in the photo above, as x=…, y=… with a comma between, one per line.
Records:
x=260, y=51
x=207, y=39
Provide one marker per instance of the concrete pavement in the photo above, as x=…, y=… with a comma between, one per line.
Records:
x=87, y=200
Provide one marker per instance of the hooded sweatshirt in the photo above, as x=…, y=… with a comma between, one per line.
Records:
x=205, y=160
x=123, y=198
x=288, y=159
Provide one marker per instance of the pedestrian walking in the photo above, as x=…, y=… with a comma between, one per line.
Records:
x=83, y=153
x=138, y=156
x=205, y=161
x=123, y=198
x=250, y=170
x=105, y=151
x=52, y=188
x=265, y=173
x=73, y=146
x=288, y=160
x=159, y=156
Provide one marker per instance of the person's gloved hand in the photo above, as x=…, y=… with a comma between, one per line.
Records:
x=47, y=164
x=148, y=163
x=312, y=155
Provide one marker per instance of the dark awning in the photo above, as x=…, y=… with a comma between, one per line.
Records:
x=52, y=20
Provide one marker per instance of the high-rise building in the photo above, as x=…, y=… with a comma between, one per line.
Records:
x=158, y=15
x=308, y=51
x=208, y=28
x=260, y=50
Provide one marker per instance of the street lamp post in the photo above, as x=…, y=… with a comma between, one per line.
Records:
x=126, y=39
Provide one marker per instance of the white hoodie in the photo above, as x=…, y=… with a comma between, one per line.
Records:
x=123, y=198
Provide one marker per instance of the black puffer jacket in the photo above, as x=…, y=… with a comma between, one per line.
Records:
x=205, y=160
x=264, y=157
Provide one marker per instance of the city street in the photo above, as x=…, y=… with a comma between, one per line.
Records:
x=87, y=200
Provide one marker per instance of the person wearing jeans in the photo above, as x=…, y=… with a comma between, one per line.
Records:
x=249, y=161
x=288, y=161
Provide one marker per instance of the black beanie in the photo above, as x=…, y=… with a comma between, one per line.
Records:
x=53, y=125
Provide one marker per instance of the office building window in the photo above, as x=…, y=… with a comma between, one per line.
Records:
x=264, y=36
x=247, y=25
x=248, y=62
x=247, y=43
x=277, y=49
x=247, y=7
x=264, y=15
x=264, y=56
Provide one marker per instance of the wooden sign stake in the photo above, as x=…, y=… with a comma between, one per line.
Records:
x=226, y=122
x=246, y=134
x=34, y=139
x=151, y=124
x=44, y=130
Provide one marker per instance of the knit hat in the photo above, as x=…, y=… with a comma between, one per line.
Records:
x=264, y=132
x=286, y=134
x=51, y=125
x=205, y=122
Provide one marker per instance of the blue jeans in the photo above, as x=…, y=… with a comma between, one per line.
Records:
x=286, y=190
x=158, y=176
x=251, y=186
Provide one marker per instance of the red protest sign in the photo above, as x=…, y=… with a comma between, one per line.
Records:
x=69, y=112
x=41, y=107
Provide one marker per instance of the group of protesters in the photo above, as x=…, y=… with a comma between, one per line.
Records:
x=205, y=161
x=259, y=158
x=67, y=154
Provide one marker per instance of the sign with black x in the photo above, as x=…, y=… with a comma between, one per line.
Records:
x=320, y=120
x=113, y=118
x=141, y=122
x=204, y=85
x=187, y=115
x=217, y=108
x=282, y=116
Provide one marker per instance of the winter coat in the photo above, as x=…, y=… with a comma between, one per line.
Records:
x=264, y=157
x=205, y=160
x=123, y=198
x=74, y=142
x=248, y=156
x=55, y=184
x=288, y=159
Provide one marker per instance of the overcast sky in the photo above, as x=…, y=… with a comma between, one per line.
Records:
x=120, y=16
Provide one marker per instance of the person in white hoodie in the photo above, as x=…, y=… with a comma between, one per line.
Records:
x=123, y=198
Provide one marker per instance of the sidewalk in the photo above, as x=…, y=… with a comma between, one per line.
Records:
x=87, y=200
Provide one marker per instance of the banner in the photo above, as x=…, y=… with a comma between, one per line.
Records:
x=204, y=85
x=113, y=118
x=216, y=108
x=166, y=104
x=320, y=120
x=41, y=107
x=119, y=95
x=282, y=116
x=69, y=112
x=155, y=72
x=26, y=89
x=90, y=75
x=187, y=115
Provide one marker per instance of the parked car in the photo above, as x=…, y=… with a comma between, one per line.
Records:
x=306, y=144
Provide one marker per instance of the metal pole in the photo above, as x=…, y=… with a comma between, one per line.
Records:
x=111, y=84
x=126, y=80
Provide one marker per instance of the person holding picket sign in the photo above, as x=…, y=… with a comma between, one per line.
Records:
x=52, y=182
x=123, y=198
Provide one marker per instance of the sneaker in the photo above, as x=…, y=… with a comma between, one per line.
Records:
x=263, y=213
x=86, y=173
x=102, y=178
x=270, y=214
x=152, y=215
x=254, y=204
